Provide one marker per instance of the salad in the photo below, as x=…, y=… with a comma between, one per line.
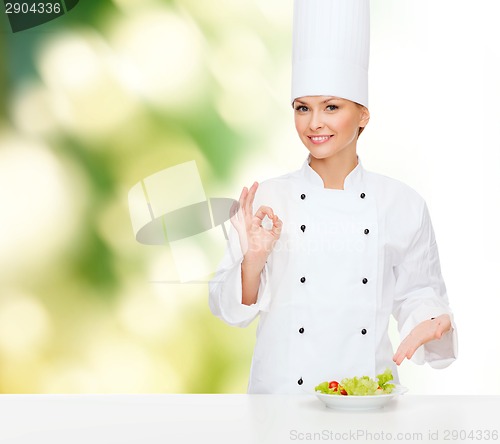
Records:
x=359, y=386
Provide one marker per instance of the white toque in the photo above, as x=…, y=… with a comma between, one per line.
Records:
x=331, y=47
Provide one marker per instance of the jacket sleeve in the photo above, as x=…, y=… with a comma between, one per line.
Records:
x=420, y=294
x=225, y=289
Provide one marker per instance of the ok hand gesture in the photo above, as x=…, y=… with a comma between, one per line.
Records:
x=256, y=241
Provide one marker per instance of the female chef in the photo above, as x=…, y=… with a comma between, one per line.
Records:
x=332, y=249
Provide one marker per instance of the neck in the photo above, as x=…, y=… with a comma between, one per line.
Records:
x=334, y=169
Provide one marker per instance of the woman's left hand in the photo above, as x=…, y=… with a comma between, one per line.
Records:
x=424, y=332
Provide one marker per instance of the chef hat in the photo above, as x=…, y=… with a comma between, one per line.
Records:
x=331, y=46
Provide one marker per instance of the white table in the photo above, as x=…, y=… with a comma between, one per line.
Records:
x=151, y=419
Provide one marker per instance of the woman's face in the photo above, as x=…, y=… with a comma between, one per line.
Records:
x=328, y=125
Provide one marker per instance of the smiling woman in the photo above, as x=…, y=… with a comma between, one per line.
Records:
x=329, y=128
x=324, y=311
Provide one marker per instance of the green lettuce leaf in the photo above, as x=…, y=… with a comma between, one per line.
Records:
x=362, y=386
x=383, y=381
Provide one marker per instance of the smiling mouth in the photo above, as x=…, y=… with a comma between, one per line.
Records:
x=319, y=139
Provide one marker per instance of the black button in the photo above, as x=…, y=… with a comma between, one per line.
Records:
x=362, y=195
x=302, y=279
x=363, y=332
x=365, y=280
x=303, y=228
x=367, y=230
x=300, y=382
x=302, y=196
x=301, y=330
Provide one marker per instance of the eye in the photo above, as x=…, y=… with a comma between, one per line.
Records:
x=301, y=108
x=332, y=107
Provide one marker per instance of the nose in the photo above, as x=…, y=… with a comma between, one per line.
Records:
x=316, y=121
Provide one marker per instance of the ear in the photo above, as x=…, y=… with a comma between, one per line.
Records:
x=364, y=116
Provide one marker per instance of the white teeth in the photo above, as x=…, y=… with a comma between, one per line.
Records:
x=319, y=138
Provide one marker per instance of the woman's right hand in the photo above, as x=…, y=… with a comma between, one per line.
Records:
x=256, y=241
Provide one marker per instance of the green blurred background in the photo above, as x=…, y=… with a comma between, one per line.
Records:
x=91, y=103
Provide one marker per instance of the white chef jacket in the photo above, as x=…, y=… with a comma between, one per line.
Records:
x=345, y=261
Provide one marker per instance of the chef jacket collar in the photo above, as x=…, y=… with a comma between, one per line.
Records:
x=353, y=181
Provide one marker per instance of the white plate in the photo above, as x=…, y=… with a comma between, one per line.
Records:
x=359, y=402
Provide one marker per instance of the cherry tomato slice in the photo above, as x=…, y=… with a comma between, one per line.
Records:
x=342, y=390
x=333, y=385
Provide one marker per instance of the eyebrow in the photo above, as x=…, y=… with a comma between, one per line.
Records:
x=324, y=101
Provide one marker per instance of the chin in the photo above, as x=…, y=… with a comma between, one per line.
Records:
x=321, y=153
